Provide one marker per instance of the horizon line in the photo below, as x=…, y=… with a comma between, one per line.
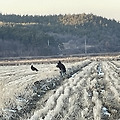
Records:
x=17, y=14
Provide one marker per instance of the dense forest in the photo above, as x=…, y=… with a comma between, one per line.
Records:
x=57, y=35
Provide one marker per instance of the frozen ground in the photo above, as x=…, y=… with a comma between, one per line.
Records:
x=89, y=91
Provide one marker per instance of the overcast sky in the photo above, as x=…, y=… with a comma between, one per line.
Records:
x=105, y=8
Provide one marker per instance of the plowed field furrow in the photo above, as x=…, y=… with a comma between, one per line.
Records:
x=90, y=90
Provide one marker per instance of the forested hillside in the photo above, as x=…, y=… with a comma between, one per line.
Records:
x=57, y=34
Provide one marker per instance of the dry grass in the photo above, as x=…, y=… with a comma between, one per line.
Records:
x=85, y=95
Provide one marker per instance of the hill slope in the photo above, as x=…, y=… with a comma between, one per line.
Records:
x=57, y=34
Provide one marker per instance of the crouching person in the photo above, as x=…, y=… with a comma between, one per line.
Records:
x=62, y=68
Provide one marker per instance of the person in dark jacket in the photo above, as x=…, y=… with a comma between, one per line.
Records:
x=62, y=68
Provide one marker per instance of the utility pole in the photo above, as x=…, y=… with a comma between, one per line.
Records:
x=48, y=42
x=85, y=46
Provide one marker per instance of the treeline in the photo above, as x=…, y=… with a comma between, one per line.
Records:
x=23, y=36
x=57, y=34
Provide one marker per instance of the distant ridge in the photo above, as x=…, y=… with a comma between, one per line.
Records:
x=57, y=35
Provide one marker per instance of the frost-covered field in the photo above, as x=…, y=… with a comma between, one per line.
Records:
x=89, y=91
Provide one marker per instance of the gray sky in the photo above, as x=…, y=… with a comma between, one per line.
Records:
x=105, y=8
